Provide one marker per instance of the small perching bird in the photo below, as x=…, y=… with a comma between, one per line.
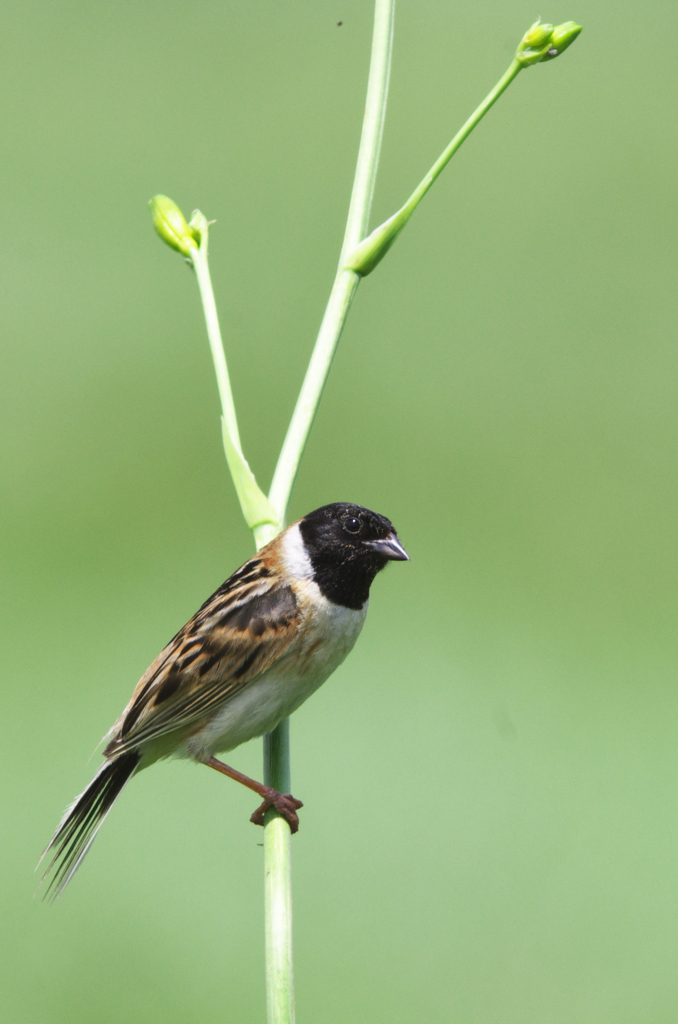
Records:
x=255, y=650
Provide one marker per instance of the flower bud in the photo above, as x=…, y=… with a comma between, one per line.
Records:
x=170, y=223
x=534, y=45
x=562, y=37
x=537, y=36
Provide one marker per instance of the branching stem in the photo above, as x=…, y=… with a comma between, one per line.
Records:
x=369, y=252
x=266, y=516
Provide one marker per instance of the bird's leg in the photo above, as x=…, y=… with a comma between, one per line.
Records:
x=284, y=803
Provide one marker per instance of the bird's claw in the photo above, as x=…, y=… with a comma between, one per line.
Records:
x=285, y=804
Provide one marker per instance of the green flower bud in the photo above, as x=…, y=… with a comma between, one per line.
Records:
x=534, y=45
x=170, y=223
x=537, y=36
x=562, y=37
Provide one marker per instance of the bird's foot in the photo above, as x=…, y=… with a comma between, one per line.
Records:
x=284, y=803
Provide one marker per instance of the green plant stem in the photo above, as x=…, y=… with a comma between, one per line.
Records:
x=341, y=296
x=267, y=517
x=346, y=281
x=278, y=872
x=202, y=272
x=278, y=883
x=256, y=507
x=372, y=133
x=463, y=133
x=277, y=861
x=369, y=252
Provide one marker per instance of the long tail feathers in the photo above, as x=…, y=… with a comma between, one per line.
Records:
x=84, y=818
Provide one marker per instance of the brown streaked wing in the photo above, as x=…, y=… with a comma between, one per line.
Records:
x=224, y=646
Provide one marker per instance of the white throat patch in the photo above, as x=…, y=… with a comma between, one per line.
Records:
x=295, y=555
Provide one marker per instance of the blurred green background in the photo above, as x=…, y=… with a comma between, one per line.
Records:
x=490, y=781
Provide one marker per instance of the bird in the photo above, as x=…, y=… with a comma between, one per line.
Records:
x=250, y=656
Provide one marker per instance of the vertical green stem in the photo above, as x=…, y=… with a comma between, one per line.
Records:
x=373, y=127
x=346, y=281
x=278, y=883
x=202, y=272
x=277, y=864
x=341, y=296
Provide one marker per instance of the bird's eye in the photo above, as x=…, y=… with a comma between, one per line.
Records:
x=352, y=525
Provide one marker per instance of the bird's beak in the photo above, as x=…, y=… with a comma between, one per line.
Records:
x=389, y=547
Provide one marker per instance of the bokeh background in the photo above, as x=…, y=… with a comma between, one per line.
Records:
x=491, y=780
